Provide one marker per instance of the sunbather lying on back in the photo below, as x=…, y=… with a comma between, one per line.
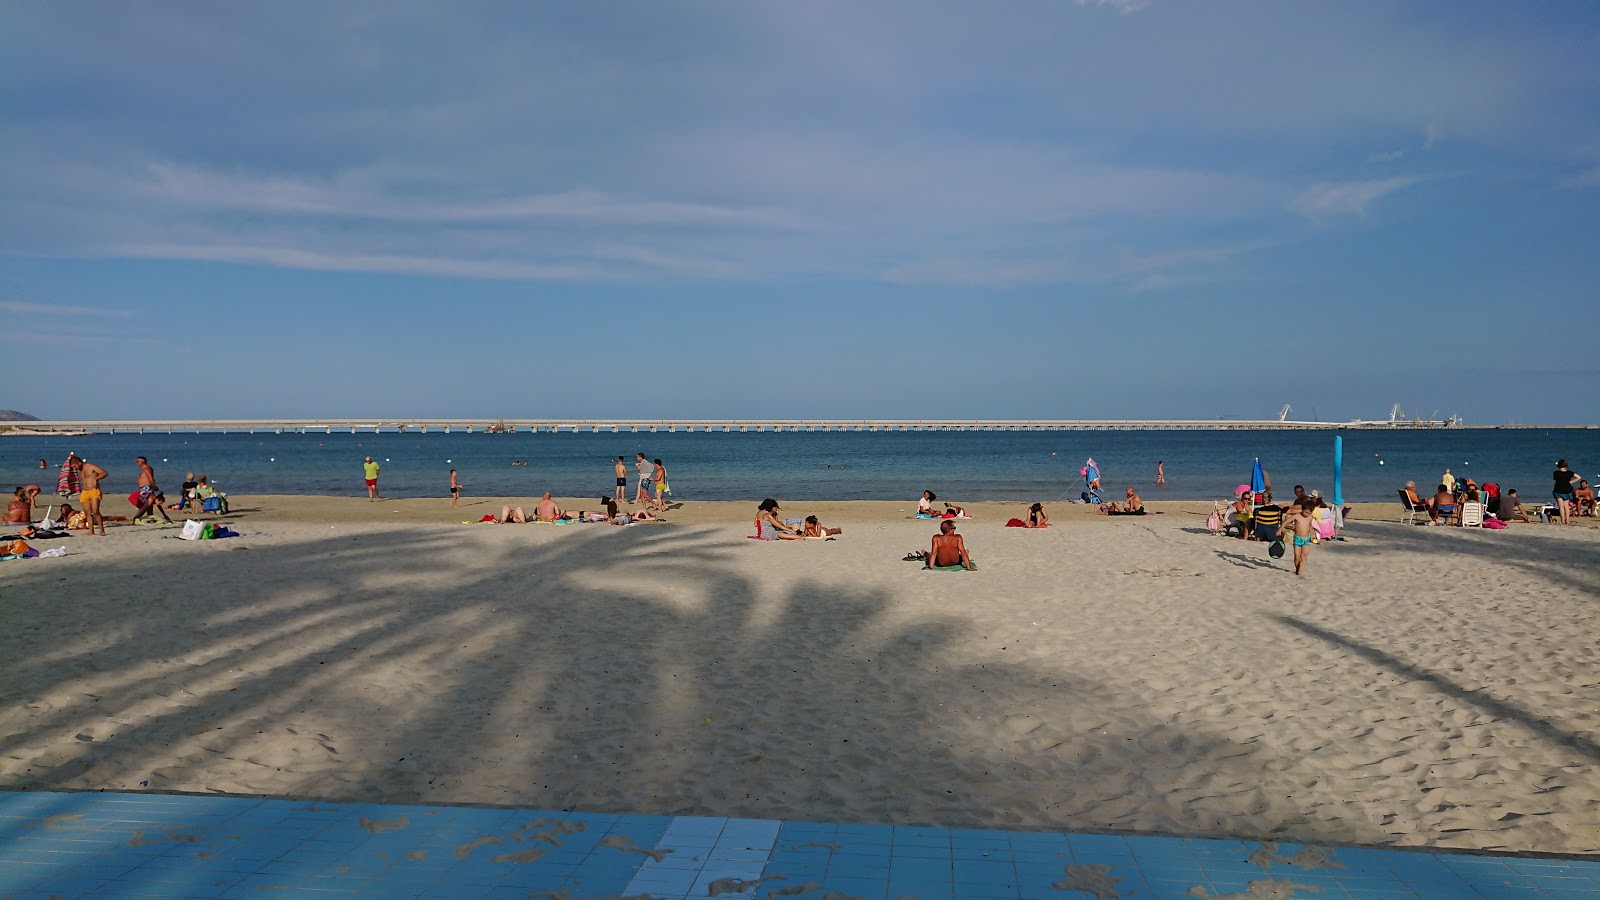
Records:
x=508, y=514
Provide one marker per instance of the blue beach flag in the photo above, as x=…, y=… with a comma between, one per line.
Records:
x=1258, y=481
x=1338, y=471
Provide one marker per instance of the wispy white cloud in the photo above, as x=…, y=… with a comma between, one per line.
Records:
x=1121, y=6
x=296, y=258
x=1134, y=269
x=1430, y=137
x=200, y=189
x=56, y=309
x=1347, y=198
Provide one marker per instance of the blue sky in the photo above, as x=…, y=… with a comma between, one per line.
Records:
x=1065, y=209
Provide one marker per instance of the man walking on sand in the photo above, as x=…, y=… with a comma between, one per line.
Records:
x=149, y=494
x=371, y=469
x=455, y=488
x=647, y=470
x=91, y=475
x=622, y=480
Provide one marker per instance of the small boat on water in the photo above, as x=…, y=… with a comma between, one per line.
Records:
x=500, y=427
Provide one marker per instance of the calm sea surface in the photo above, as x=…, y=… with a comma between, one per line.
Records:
x=815, y=466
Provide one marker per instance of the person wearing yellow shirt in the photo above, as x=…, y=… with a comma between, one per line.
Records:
x=371, y=470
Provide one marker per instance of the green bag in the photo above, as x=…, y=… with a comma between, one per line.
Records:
x=207, y=533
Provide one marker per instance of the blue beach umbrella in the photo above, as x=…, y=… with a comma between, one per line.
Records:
x=1258, y=481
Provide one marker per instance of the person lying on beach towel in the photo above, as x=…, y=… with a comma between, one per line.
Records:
x=954, y=512
x=815, y=529
x=510, y=514
x=949, y=551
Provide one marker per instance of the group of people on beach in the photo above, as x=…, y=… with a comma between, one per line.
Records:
x=547, y=510
x=650, y=494
x=771, y=527
x=86, y=479
x=1571, y=496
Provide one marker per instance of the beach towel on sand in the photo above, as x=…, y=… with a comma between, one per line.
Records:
x=955, y=568
x=1016, y=523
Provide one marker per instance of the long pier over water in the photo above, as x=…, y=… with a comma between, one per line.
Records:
x=525, y=426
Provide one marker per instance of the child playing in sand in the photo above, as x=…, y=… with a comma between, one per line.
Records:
x=1302, y=524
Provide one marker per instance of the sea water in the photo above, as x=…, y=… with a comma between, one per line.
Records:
x=957, y=466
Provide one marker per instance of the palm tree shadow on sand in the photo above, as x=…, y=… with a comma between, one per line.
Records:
x=626, y=671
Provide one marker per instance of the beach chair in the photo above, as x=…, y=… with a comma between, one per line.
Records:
x=1412, y=510
x=1470, y=514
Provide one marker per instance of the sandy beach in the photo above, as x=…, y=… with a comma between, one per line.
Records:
x=1421, y=686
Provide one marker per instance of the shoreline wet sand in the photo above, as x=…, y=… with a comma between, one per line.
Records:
x=1421, y=686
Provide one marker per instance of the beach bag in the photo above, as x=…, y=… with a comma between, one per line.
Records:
x=1276, y=550
x=211, y=504
x=192, y=530
x=1214, y=523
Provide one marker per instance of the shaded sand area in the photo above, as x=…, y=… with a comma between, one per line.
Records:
x=1422, y=686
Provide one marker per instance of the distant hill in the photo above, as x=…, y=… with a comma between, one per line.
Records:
x=11, y=415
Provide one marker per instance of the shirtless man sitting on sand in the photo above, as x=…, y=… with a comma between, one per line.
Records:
x=948, y=549
x=547, y=510
x=91, y=494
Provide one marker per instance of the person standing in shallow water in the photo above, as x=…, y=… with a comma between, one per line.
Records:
x=622, y=480
x=1161, y=472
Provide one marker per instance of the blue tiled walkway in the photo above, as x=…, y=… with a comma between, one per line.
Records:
x=151, y=845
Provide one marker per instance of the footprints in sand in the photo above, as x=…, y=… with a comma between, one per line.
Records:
x=1165, y=573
